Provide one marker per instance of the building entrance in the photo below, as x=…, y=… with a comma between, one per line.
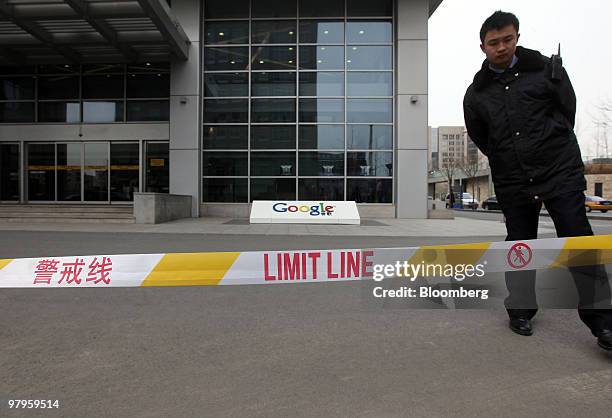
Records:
x=91, y=172
x=9, y=172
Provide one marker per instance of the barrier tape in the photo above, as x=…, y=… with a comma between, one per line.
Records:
x=295, y=266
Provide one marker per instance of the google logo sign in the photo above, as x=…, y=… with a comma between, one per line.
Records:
x=314, y=210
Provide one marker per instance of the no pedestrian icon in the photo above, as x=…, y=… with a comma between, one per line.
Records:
x=519, y=255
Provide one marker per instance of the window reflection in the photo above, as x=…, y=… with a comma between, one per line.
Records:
x=369, y=137
x=41, y=172
x=148, y=111
x=219, y=163
x=226, y=84
x=321, y=163
x=364, y=32
x=124, y=169
x=321, y=188
x=273, y=8
x=273, y=137
x=267, y=163
x=321, y=32
x=223, y=9
x=321, y=137
x=322, y=8
x=16, y=112
x=224, y=190
x=228, y=58
x=102, y=111
x=370, y=110
x=369, y=8
x=272, y=110
x=273, y=84
x=69, y=172
x=273, y=58
x=140, y=86
x=321, y=84
x=377, y=164
x=67, y=112
x=226, y=32
x=225, y=137
x=92, y=93
x=16, y=88
x=109, y=86
x=322, y=57
x=322, y=110
x=274, y=32
x=226, y=111
x=339, y=110
x=58, y=87
x=9, y=171
x=157, y=175
x=369, y=57
x=271, y=189
x=95, y=173
x=369, y=190
x=370, y=84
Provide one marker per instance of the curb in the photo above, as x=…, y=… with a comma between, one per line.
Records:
x=545, y=214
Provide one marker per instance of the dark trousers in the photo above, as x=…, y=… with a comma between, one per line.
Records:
x=569, y=216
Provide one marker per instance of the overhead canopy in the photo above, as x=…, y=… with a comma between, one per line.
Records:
x=89, y=31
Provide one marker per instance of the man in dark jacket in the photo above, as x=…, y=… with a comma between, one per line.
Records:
x=521, y=117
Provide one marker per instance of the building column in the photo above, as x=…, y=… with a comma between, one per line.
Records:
x=185, y=109
x=411, y=117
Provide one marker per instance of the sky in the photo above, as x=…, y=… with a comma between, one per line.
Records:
x=580, y=27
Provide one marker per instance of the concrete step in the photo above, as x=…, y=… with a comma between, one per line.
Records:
x=69, y=220
x=69, y=213
x=65, y=209
x=42, y=214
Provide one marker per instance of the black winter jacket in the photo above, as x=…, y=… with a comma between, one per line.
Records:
x=523, y=121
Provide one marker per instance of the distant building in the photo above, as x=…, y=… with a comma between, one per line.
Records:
x=598, y=173
x=454, y=147
x=451, y=145
x=432, y=150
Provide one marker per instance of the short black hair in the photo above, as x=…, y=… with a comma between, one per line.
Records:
x=497, y=21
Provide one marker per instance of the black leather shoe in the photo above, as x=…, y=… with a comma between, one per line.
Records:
x=604, y=339
x=521, y=326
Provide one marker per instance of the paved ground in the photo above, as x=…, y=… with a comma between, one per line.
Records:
x=296, y=350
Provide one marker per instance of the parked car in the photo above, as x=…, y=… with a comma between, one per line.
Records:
x=597, y=203
x=464, y=199
x=469, y=202
x=491, y=203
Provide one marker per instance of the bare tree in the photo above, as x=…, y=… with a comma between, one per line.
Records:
x=603, y=122
x=450, y=167
x=471, y=168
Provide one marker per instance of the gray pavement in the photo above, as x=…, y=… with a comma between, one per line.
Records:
x=296, y=350
x=459, y=226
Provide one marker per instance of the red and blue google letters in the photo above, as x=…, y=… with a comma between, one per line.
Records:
x=314, y=210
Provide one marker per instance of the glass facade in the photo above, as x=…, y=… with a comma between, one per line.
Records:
x=298, y=100
x=9, y=172
x=82, y=172
x=100, y=93
x=157, y=173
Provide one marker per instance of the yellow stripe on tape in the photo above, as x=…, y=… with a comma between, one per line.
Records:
x=199, y=269
x=585, y=251
x=450, y=254
x=4, y=262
